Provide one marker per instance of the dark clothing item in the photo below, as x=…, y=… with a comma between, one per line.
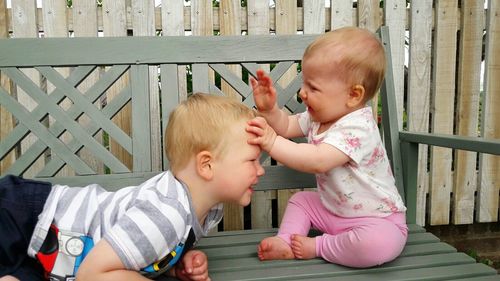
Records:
x=21, y=201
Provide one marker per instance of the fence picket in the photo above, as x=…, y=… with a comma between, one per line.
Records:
x=469, y=72
x=419, y=81
x=443, y=93
x=24, y=26
x=85, y=25
x=489, y=178
x=6, y=120
x=115, y=24
x=341, y=13
x=229, y=20
x=395, y=18
x=286, y=23
x=261, y=211
x=55, y=25
x=143, y=21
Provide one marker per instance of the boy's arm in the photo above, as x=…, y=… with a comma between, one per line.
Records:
x=303, y=157
x=102, y=263
x=193, y=266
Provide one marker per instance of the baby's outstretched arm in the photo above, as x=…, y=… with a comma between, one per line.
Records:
x=305, y=157
x=193, y=266
x=264, y=95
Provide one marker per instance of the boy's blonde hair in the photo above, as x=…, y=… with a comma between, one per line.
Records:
x=354, y=54
x=201, y=123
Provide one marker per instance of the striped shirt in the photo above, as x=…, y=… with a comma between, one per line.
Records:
x=143, y=224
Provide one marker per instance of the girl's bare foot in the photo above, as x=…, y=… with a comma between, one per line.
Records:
x=303, y=247
x=274, y=248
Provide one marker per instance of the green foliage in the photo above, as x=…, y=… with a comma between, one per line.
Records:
x=475, y=255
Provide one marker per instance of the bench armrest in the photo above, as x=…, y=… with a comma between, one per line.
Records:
x=477, y=144
x=410, y=141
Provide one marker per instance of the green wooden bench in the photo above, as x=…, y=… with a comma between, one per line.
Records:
x=232, y=255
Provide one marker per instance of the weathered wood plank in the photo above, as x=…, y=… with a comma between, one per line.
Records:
x=258, y=24
x=490, y=165
x=143, y=22
x=85, y=25
x=230, y=24
x=468, y=90
x=6, y=120
x=395, y=18
x=419, y=81
x=115, y=25
x=173, y=90
x=341, y=14
x=286, y=23
x=314, y=16
x=24, y=19
x=443, y=94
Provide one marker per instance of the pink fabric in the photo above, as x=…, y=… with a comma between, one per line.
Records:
x=354, y=242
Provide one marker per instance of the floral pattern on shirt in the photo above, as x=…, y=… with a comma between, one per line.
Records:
x=364, y=186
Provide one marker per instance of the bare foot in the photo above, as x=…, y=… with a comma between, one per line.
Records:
x=274, y=248
x=303, y=247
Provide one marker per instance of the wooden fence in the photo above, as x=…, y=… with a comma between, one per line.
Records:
x=443, y=44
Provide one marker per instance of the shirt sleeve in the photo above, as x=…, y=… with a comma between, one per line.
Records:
x=353, y=137
x=147, y=232
x=304, y=122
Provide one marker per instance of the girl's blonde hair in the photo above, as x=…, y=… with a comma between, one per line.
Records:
x=354, y=54
x=201, y=123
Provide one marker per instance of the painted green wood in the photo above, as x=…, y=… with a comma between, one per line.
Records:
x=413, y=268
x=232, y=265
x=232, y=79
x=38, y=113
x=141, y=123
x=170, y=96
x=200, y=78
x=70, y=125
x=87, y=106
x=111, y=109
x=22, y=52
x=42, y=133
x=478, y=144
x=390, y=115
x=409, y=156
x=244, y=239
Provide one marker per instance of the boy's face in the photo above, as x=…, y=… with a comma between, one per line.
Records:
x=238, y=169
x=324, y=93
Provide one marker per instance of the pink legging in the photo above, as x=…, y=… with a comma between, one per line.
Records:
x=354, y=242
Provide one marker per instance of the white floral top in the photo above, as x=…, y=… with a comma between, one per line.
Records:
x=365, y=185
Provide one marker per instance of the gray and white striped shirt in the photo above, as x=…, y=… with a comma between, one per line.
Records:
x=142, y=223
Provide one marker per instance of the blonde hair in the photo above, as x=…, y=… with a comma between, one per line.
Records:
x=355, y=54
x=201, y=123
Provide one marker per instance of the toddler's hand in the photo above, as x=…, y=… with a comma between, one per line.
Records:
x=264, y=93
x=264, y=134
x=193, y=266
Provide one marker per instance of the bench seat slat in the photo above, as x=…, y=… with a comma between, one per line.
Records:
x=228, y=265
x=404, y=268
x=255, y=238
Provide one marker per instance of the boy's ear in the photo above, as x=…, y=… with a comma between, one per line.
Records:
x=204, y=163
x=356, y=96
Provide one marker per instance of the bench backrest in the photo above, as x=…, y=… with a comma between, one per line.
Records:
x=147, y=62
